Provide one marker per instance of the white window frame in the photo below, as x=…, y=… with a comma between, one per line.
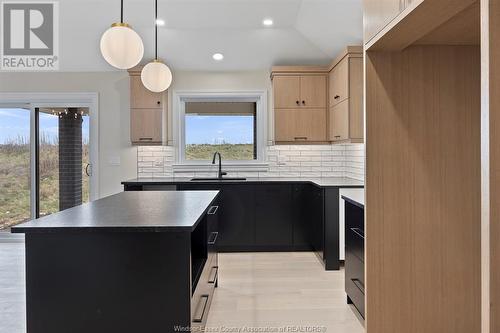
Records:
x=179, y=99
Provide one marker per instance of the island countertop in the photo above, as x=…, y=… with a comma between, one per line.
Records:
x=357, y=198
x=128, y=211
x=321, y=182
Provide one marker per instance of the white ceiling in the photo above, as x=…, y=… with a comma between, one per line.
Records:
x=304, y=31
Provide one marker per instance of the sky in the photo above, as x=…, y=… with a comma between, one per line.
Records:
x=219, y=129
x=16, y=122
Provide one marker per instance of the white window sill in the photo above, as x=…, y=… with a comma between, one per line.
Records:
x=227, y=167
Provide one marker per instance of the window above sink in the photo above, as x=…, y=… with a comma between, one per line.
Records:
x=232, y=123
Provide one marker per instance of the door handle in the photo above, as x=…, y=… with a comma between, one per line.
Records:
x=336, y=97
x=87, y=168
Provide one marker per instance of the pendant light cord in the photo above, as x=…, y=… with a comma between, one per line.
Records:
x=121, y=12
x=156, y=29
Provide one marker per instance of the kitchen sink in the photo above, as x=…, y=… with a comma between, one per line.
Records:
x=216, y=179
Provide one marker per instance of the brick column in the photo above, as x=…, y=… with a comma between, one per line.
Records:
x=70, y=159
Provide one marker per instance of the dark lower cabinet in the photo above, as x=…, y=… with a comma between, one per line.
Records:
x=354, y=256
x=273, y=216
x=236, y=224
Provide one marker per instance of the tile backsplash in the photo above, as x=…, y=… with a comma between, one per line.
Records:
x=306, y=161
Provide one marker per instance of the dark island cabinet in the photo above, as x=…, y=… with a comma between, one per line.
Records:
x=274, y=216
x=354, y=256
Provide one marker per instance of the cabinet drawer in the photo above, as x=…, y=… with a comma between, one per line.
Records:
x=355, y=281
x=339, y=82
x=355, y=242
x=202, y=296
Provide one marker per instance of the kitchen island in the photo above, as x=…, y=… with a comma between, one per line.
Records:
x=131, y=262
x=271, y=214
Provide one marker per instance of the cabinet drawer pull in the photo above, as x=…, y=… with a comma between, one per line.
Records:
x=358, y=284
x=213, y=274
x=158, y=102
x=300, y=138
x=213, y=210
x=145, y=139
x=337, y=136
x=358, y=232
x=336, y=97
x=298, y=103
x=213, y=238
x=303, y=102
x=198, y=317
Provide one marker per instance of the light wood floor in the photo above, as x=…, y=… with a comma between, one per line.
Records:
x=280, y=289
x=255, y=290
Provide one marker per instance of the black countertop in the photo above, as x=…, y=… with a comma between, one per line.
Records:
x=356, y=198
x=322, y=182
x=128, y=211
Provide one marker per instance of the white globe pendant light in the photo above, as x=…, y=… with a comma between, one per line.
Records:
x=121, y=46
x=156, y=76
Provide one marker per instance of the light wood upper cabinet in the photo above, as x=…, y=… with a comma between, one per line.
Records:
x=291, y=91
x=345, y=115
x=286, y=91
x=300, y=125
x=146, y=128
x=313, y=91
x=378, y=13
x=147, y=112
x=339, y=82
x=339, y=122
x=142, y=98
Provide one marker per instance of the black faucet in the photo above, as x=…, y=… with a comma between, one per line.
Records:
x=220, y=173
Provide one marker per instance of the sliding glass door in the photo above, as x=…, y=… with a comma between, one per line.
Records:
x=45, y=161
x=15, y=161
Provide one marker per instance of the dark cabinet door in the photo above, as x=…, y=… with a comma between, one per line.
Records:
x=236, y=217
x=302, y=228
x=316, y=219
x=273, y=215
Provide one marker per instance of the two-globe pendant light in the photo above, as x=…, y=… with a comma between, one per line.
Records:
x=156, y=76
x=121, y=46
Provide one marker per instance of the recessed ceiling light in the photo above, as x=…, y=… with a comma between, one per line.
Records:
x=160, y=22
x=218, y=56
x=268, y=22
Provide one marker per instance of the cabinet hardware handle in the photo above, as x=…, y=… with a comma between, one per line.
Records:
x=336, y=97
x=300, y=138
x=358, y=232
x=213, y=210
x=213, y=238
x=199, y=319
x=298, y=103
x=212, y=279
x=358, y=284
x=303, y=102
x=158, y=102
x=146, y=139
x=337, y=136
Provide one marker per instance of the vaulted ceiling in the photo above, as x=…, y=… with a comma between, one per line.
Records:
x=304, y=31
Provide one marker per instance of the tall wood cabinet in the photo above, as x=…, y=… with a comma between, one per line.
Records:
x=345, y=109
x=147, y=112
x=320, y=104
x=300, y=99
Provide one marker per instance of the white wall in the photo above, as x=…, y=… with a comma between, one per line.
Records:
x=114, y=116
